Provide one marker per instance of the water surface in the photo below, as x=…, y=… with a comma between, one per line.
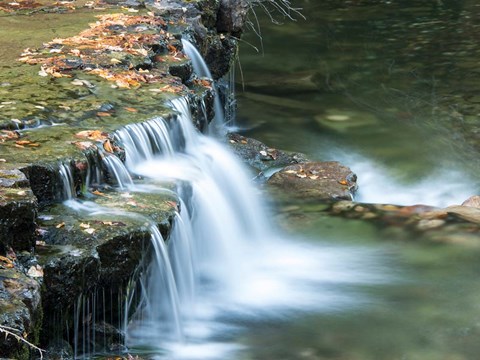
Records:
x=389, y=89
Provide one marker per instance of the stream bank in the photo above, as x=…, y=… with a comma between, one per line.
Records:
x=61, y=105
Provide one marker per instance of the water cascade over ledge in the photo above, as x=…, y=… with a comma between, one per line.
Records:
x=226, y=261
x=224, y=265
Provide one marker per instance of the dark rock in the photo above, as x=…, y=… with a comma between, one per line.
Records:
x=18, y=212
x=45, y=182
x=232, y=16
x=13, y=179
x=219, y=53
x=20, y=311
x=182, y=70
x=316, y=181
x=260, y=156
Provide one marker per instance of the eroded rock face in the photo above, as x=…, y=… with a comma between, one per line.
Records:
x=20, y=310
x=232, y=16
x=316, y=181
x=18, y=211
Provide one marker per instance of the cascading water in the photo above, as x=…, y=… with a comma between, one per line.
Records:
x=202, y=70
x=224, y=264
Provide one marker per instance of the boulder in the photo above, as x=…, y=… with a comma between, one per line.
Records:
x=315, y=181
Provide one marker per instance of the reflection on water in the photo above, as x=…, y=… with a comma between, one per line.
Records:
x=394, y=83
x=390, y=89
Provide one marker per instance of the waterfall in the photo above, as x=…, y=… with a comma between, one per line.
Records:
x=224, y=257
x=68, y=188
x=202, y=70
x=223, y=262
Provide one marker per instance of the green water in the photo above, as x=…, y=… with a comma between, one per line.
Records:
x=403, y=78
x=404, y=75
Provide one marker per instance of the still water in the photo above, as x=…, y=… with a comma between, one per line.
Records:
x=388, y=88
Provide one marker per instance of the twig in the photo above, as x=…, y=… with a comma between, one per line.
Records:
x=10, y=331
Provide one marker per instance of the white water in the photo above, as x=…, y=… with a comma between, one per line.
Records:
x=227, y=262
x=377, y=184
x=202, y=70
x=225, y=266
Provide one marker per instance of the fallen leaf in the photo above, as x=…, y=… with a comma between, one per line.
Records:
x=96, y=135
x=301, y=176
x=85, y=226
x=172, y=204
x=42, y=72
x=34, y=144
x=23, y=142
x=103, y=114
x=313, y=177
x=60, y=225
x=99, y=193
x=35, y=271
x=3, y=160
x=22, y=193
x=107, y=146
x=343, y=182
x=89, y=231
x=290, y=172
x=83, y=145
x=130, y=109
x=8, y=263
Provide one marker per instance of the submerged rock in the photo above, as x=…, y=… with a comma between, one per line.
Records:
x=316, y=181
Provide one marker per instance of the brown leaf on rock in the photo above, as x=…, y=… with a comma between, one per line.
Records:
x=107, y=146
x=83, y=145
x=95, y=135
x=7, y=263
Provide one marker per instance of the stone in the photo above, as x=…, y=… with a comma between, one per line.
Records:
x=20, y=311
x=18, y=212
x=232, y=16
x=261, y=157
x=316, y=181
x=473, y=201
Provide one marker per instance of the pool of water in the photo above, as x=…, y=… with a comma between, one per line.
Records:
x=387, y=88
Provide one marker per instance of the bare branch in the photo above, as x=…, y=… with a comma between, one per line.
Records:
x=11, y=331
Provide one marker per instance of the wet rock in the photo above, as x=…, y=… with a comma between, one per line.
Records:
x=260, y=156
x=473, y=201
x=232, y=16
x=18, y=212
x=316, y=181
x=467, y=213
x=81, y=253
x=182, y=70
x=20, y=311
x=219, y=53
x=345, y=120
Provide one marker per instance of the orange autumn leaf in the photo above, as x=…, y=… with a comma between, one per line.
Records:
x=103, y=114
x=107, y=146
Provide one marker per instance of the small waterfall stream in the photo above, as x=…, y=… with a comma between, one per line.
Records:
x=224, y=264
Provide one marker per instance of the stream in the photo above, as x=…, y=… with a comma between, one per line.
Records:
x=387, y=89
